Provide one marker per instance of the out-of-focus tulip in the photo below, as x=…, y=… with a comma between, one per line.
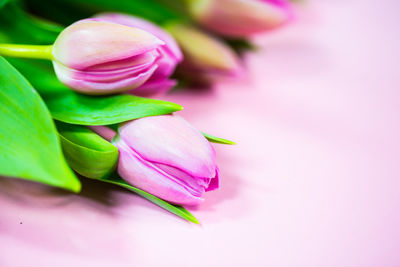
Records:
x=205, y=53
x=167, y=157
x=100, y=57
x=169, y=54
x=240, y=18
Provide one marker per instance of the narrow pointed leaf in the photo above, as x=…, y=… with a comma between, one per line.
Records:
x=218, y=140
x=29, y=146
x=177, y=210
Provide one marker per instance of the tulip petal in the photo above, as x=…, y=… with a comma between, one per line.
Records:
x=89, y=42
x=170, y=140
x=102, y=87
x=214, y=182
x=148, y=177
x=137, y=60
x=170, y=44
x=105, y=76
x=240, y=18
x=169, y=54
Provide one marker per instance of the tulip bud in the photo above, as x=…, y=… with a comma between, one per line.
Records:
x=205, y=53
x=99, y=57
x=240, y=18
x=169, y=54
x=167, y=157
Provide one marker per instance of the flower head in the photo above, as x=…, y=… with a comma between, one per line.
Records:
x=97, y=56
x=167, y=157
x=169, y=54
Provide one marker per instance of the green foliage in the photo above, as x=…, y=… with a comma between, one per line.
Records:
x=177, y=210
x=71, y=107
x=68, y=11
x=29, y=145
x=93, y=157
x=86, y=152
x=18, y=26
x=218, y=140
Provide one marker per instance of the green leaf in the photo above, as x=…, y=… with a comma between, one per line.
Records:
x=88, y=110
x=29, y=145
x=177, y=210
x=3, y=2
x=68, y=11
x=218, y=140
x=93, y=157
x=68, y=106
x=86, y=152
x=20, y=27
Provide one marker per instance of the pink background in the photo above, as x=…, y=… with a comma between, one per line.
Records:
x=313, y=181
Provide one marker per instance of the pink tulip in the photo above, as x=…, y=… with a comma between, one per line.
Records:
x=95, y=56
x=167, y=157
x=240, y=18
x=169, y=54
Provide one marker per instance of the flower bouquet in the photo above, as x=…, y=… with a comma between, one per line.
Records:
x=78, y=81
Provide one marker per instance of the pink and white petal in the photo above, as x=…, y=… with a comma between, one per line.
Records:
x=98, y=88
x=170, y=140
x=134, y=61
x=105, y=76
x=143, y=175
x=89, y=42
x=170, y=44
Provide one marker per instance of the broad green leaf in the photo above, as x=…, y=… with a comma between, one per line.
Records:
x=218, y=140
x=177, y=210
x=86, y=152
x=3, y=2
x=29, y=145
x=68, y=106
x=20, y=27
x=88, y=110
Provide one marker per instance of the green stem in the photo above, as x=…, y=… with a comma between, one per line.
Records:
x=26, y=51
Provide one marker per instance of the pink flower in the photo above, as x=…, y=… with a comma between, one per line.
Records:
x=241, y=18
x=167, y=157
x=96, y=56
x=169, y=54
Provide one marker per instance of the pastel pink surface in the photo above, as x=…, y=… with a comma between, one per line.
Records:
x=313, y=181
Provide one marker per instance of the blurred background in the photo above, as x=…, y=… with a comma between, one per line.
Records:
x=312, y=181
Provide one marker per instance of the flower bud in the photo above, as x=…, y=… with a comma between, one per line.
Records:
x=169, y=54
x=99, y=57
x=240, y=18
x=205, y=53
x=167, y=157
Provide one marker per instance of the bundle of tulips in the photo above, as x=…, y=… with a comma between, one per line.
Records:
x=89, y=114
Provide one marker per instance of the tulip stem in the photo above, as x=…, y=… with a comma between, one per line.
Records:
x=26, y=51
